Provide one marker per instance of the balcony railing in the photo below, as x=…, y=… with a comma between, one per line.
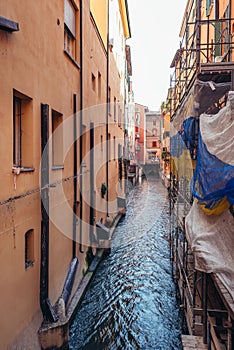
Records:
x=207, y=46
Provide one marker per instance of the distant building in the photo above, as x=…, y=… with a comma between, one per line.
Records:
x=140, y=134
x=153, y=137
x=165, y=147
x=130, y=126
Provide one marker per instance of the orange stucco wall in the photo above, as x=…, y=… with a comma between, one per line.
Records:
x=34, y=63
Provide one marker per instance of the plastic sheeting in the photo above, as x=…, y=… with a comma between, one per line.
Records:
x=185, y=138
x=184, y=125
x=212, y=241
x=213, y=180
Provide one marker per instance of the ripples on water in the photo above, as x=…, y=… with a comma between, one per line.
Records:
x=131, y=302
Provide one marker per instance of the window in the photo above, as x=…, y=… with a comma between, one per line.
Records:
x=70, y=28
x=57, y=139
x=93, y=82
x=101, y=143
x=137, y=119
x=17, y=147
x=119, y=116
x=109, y=99
x=99, y=85
x=120, y=164
x=22, y=130
x=114, y=148
x=109, y=146
x=208, y=6
x=115, y=109
x=154, y=144
x=29, y=248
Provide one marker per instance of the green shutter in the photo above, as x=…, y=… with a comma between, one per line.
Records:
x=208, y=5
x=218, y=39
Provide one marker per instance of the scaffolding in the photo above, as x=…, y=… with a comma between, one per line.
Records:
x=202, y=78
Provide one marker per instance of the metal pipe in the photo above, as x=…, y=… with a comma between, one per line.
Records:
x=68, y=285
x=204, y=306
x=91, y=207
x=81, y=120
x=230, y=32
x=216, y=9
x=46, y=308
x=74, y=175
x=198, y=35
x=107, y=112
x=44, y=283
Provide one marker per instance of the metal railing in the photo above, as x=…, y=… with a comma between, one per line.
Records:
x=207, y=43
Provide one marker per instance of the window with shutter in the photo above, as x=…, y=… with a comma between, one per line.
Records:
x=208, y=6
x=69, y=28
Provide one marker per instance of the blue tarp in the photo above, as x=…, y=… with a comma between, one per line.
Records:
x=213, y=179
x=185, y=138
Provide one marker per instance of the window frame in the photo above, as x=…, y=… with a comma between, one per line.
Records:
x=57, y=134
x=29, y=258
x=22, y=132
x=17, y=133
x=70, y=32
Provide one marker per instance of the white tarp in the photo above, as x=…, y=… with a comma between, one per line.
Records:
x=218, y=131
x=212, y=236
x=212, y=241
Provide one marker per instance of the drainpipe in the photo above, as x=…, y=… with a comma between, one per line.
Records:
x=81, y=119
x=74, y=176
x=107, y=112
x=46, y=308
x=91, y=208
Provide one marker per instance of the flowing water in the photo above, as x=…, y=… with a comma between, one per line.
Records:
x=131, y=302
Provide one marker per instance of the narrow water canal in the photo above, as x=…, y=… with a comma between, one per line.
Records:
x=131, y=302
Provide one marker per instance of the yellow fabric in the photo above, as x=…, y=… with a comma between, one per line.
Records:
x=219, y=208
x=183, y=166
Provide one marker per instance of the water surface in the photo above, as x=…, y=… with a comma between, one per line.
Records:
x=131, y=302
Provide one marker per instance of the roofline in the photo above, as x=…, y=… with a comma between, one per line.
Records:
x=128, y=18
x=123, y=6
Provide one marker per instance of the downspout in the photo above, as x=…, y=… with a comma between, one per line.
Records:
x=107, y=113
x=81, y=119
x=46, y=308
x=74, y=175
x=91, y=207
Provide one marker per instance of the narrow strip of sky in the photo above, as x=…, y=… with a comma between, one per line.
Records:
x=155, y=27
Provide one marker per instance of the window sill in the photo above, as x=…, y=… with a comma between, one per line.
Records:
x=8, y=25
x=18, y=170
x=29, y=264
x=71, y=58
x=57, y=167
